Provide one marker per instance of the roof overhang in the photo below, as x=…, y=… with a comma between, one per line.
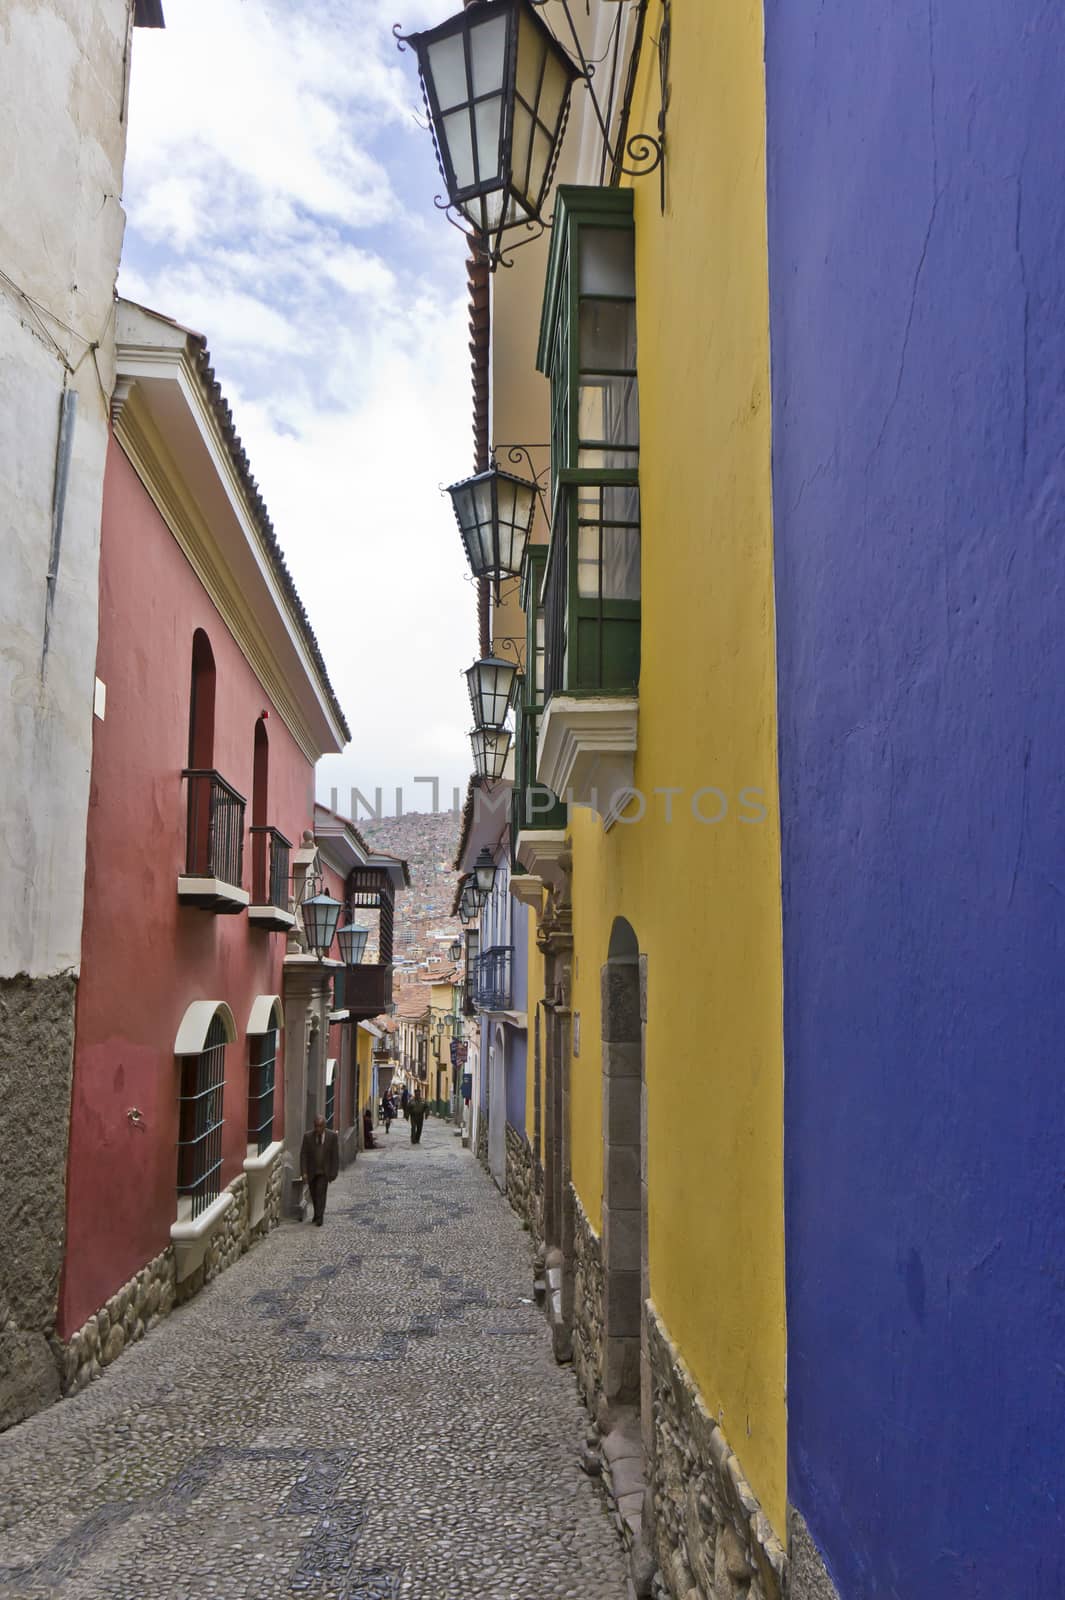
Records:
x=166, y=419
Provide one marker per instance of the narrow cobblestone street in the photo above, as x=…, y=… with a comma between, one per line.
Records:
x=365, y=1410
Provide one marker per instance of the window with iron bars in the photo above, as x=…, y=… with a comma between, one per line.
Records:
x=203, y=1080
x=331, y=1099
x=261, y=1091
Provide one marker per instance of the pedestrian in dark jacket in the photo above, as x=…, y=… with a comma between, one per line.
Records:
x=404, y=1101
x=319, y=1164
x=417, y=1117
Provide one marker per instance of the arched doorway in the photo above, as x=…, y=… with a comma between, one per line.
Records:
x=624, y=1169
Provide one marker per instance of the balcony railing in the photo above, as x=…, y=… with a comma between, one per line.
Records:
x=491, y=980
x=269, y=880
x=269, y=867
x=214, y=844
x=364, y=990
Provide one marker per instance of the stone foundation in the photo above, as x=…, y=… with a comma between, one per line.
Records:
x=521, y=1176
x=152, y=1294
x=36, y=1062
x=587, y=1306
x=481, y=1148
x=711, y=1539
x=808, y=1578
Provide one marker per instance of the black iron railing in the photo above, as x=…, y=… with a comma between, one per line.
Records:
x=214, y=846
x=269, y=867
x=203, y=1079
x=491, y=981
x=261, y=1091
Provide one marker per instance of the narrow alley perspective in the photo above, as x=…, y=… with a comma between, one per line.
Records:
x=532, y=821
x=366, y=1410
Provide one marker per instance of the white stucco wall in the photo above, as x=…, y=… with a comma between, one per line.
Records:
x=62, y=82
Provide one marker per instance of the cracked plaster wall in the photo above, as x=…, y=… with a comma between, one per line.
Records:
x=62, y=83
x=917, y=277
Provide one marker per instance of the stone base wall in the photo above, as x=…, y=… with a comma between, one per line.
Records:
x=482, y=1138
x=521, y=1176
x=152, y=1294
x=36, y=1062
x=710, y=1535
x=587, y=1306
x=808, y=1577
x=129, y=1314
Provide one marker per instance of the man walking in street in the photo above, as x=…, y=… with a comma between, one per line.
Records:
x=319, y=1164
x=404, y=1101
x=417, y=1117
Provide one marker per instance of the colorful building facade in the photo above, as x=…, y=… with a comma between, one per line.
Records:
x=784, y=812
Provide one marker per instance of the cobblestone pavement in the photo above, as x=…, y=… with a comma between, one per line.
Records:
x=364, y=1410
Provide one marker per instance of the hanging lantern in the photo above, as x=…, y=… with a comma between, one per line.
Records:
x=494, y=511
x=352, y=942
x=491, y=684
x=491, y=746
x=454, y=949
x=321, y=914
x=484, y=871
x=497, y=85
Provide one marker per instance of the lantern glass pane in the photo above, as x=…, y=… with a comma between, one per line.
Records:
x=488, y=54
x=460, y=145
x=606, y=263
x=487, y=115
x=447, y=68
x=553, y=94
x=532, y=47
x=521, y=151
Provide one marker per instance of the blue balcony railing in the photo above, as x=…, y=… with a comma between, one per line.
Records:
x=491, y=981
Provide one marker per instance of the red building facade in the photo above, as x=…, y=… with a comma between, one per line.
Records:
x=213, y=706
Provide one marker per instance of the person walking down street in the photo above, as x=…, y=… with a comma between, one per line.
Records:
x=319, y=1164
x=389, y=1107
x=367, y=1130
x=404, y=1101
x=417, y=1117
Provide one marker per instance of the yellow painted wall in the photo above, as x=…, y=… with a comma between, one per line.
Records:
x=703, y=898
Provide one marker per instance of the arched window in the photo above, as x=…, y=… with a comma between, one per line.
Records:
x=260, y=778
x=201, y=1048
x=264, y=1026
x=201, y=704
x=261, y=1091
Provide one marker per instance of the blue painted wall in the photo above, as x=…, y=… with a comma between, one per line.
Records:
x=916, y=161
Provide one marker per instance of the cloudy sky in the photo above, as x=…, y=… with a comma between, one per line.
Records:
x=279, y=195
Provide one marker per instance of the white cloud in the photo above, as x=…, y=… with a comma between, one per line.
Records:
x=253, y=177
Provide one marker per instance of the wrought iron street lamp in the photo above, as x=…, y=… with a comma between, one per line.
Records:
x=491, y=684
x=321, y=913
x=497, y=87
x=454, y=949
x=352, y=942
x=491, y=746
x=484, y=871
x=494, y=511
x=468, y=904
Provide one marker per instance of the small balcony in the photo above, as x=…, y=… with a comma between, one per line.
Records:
x=491, y=982
x=363, y=991
x=214, y=845
x=586, y=737
x=269, y=907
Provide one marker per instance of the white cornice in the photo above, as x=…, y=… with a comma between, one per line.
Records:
x=586, y=751
x=141, y=439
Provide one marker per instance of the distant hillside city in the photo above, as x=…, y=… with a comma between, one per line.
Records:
x=427, y=840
